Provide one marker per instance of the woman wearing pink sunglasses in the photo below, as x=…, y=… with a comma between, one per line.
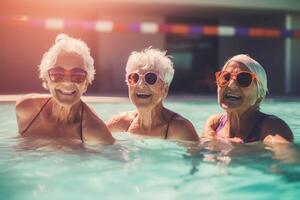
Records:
x=66, y=70
x=242, y=85
x=148, y=75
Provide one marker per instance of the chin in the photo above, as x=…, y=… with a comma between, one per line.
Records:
x=143, y=105
x=229, y=107
x=66, y=101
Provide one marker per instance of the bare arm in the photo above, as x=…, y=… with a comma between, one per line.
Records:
x=94, y=129
x=275, y=130
x=182, y=129
x=211, y=125
x=120, y=123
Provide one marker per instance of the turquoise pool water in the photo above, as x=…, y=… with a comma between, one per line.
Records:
x=136, y=168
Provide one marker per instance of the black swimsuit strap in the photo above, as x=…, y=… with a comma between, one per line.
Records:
x=81, y=120
x=171, y=119
x=254, y=134
x=35, y=117
x=166, y=135
x=131, y=121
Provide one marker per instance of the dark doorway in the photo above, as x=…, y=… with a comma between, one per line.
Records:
x=195, y=60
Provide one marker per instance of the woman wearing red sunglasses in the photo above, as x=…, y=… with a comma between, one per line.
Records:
x=66, y=70
x=242, y=85
x=148, y=75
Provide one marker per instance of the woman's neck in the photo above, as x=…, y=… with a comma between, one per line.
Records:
x=65, y=114
x=241, y=124
x=148, y=119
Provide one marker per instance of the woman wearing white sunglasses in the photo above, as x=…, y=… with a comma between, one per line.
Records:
x=148, y=75
x=242, y=85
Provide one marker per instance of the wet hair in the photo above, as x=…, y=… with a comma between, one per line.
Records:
x=254, y=67
x=64, y=43
x=152, y=59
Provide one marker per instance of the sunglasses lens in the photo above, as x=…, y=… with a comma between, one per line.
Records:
x=151, y=78
x=244, y=79
x=133, y=78
x=224, y=78
x=56, y=74
x=78, y=75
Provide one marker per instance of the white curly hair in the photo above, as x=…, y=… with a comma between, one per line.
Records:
x=71, y=45
x=151, y=59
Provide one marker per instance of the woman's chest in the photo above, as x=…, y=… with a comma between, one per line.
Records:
x=159, y=131
x=49, y=128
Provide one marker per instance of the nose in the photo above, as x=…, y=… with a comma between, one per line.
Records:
x=141, y=81
x=232, y=82
x=67, y=78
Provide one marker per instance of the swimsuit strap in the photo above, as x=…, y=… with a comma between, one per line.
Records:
x=254, y=136
x=35, y=117
x=166, y=135
x=81, y=119
x=222, y=122
x=171, y=119
x=131, y=121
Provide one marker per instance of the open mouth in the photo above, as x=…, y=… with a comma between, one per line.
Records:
x=143, y=95
x=66, y=92
x=232, y=97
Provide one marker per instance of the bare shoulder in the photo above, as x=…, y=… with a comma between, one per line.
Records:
x=31, y=101
x=121, y=122
x=27, y=107
x=94, y=129
x=182, y=129
x=276, y=128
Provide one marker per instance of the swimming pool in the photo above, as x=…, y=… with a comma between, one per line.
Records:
x=136, y=168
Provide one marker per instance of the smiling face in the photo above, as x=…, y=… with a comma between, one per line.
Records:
x=234, y=98
x=144, y=95
x=67, y=91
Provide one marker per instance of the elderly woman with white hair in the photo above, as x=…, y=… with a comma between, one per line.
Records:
x=66, y=71
x=149, y=74
x=242, y=85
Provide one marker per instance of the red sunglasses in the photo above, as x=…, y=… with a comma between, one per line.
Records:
x=58, y=74
x=243, y=78
x=150, y=78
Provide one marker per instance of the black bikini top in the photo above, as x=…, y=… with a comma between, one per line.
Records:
x=167, y=130
x=42, y=108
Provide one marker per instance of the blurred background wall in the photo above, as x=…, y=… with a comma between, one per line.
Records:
x=26, y=33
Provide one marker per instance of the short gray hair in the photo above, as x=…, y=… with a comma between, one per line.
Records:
x=254, y=67
x=71, y=45
x=154, y=59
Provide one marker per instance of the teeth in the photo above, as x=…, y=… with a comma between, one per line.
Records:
x=232, y=95
x=67, y=91
x=142, y=93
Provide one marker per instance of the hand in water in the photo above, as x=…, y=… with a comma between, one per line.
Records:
x=236, y=140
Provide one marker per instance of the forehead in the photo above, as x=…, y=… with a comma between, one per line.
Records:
x=145, y=69
x=69, y=60
x=234, y=66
